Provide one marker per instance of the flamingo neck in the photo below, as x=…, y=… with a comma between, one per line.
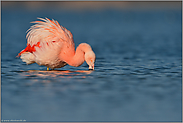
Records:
x=78, y=57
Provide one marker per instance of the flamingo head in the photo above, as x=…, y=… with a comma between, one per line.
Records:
x=90, y=59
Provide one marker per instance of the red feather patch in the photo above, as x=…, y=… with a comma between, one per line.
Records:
x=29, y=49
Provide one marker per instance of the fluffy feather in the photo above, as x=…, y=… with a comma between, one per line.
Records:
x=44, y=54
x=47, y=30
x=28, y=57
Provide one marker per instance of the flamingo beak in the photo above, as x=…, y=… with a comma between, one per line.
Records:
x=91, y=67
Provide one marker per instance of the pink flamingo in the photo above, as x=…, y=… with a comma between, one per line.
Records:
x=52, y=45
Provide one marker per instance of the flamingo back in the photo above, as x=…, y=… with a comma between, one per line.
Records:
x=48, y=30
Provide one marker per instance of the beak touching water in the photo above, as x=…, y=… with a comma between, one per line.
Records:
x=91, y=67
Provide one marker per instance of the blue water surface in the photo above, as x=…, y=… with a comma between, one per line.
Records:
x=137, y=76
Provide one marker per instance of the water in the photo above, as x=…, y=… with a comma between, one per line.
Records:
x=137, y=77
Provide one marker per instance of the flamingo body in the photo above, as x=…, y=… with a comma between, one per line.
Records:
x=52, y=45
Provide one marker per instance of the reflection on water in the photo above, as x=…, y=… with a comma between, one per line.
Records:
x=56, y=73
x=41, y=76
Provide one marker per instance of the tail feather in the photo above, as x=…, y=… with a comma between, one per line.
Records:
x=28, y=57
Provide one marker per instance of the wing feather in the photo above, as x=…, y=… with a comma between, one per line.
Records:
x=47, y=30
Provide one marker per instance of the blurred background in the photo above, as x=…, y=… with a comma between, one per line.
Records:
x=91, y=5
x=138, y=70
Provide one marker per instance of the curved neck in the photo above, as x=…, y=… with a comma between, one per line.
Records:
x=78, y=57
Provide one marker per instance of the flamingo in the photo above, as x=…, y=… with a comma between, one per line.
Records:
x=52, y=45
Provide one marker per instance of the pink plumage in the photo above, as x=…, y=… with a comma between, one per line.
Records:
x=52, y=45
